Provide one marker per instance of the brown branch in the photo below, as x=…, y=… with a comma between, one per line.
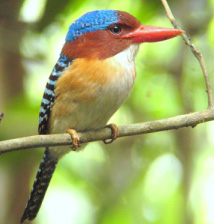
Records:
x=195, y=51
x=134, y=129
x=1, y=116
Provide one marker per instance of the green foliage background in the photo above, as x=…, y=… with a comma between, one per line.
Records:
x=165, y=177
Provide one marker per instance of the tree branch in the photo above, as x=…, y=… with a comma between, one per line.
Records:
x=1, y=116
x=195, y=51
x=134, y=129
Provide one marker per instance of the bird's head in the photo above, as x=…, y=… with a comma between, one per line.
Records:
x=104, y=33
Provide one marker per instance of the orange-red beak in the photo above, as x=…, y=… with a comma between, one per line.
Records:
x=152, y=34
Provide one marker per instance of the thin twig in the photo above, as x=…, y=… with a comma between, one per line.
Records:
x=195, y=51
x=134, y=129
x=1, y=116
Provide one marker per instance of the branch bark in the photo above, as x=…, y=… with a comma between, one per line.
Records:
x=194, y=50
x=1, y=116
x=180, y=121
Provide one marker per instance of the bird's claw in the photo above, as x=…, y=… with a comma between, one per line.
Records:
x=115, y=133
x=75, y=138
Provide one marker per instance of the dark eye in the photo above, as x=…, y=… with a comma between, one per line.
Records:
x=115, y=30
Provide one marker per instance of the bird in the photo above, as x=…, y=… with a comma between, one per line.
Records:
x=93, y=76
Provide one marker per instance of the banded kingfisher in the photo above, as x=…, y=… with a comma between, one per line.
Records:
x=93, y=76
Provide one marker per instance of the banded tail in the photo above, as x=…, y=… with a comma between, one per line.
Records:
x=43, y=177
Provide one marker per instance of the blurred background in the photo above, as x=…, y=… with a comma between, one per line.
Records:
x=165, y=177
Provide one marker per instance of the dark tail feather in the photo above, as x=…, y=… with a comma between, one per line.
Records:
x=40, y=186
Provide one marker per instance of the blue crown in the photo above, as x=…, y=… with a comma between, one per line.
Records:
x=91, y=21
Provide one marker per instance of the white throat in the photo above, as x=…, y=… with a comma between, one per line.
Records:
x=127, y=56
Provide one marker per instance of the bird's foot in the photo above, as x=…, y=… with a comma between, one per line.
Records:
x=75, y=138
x=115, y=133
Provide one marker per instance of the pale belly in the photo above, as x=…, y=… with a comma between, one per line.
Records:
x=89, y=115
x=92, y=113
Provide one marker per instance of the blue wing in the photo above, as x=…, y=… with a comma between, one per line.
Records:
x=49, y=94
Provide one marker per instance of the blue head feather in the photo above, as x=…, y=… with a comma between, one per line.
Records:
x=91, y=21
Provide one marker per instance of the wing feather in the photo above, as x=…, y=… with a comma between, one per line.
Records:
x=49, y=94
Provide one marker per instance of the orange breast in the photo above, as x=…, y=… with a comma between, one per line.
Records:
x=82, y=80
